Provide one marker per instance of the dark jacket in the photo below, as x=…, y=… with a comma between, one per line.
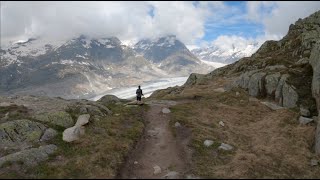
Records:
x=139, y=92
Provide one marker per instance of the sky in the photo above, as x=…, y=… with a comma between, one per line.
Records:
x=195, y=23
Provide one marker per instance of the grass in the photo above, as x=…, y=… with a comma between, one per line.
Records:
x=99, y=153
x=267, y=144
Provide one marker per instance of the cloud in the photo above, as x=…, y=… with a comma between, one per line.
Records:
x=126, y=20
x=277, y=16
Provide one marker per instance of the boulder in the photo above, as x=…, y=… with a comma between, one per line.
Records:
x=194, y=78
x=83, y=119
x=289, y=96
x=73, y=134
x=109, y=99
x=18, y=131
x=59, y=118
x=49, y=134
x=256, y=85
x=30, y=157
x=271, y=82
x=304, y=120
x=278, y=93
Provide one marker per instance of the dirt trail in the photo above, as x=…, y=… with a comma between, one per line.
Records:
x=157, y=147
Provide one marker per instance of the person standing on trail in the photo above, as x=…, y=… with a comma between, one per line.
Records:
x=139, y=93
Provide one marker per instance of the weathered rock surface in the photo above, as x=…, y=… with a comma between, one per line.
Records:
x=29, y=157
x=256, y=85
x=49, y=134
x=18, y=131
x=60, y=118
x=73, y=134
x=83, y=120
x=304, y=120
x=166, y=110
x=271, y=83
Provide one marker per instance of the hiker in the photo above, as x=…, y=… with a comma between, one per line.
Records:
x=139, y=93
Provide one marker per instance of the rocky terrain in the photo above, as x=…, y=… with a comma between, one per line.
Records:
x=255, y=118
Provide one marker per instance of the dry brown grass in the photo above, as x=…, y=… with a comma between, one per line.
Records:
x=268, y=144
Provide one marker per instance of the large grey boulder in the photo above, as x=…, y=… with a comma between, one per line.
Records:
x=60, y=118
x=109, y=99
x=256, y=84
x=315, y=63
x=271, y=82
x=19, y=131
x=73, y=134
x=195, y=78
x=243, y=80
x=278, y=92
x=289, y=96
x=30, y=157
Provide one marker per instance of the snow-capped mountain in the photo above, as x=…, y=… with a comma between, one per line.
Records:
x=171, y=55
x=225, y=54
x=83, y=67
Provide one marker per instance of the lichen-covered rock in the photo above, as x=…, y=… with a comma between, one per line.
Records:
x=109, y=99
x=195, y=78
x=18, y=131
x=30, y=157
x=278, y=92
x=271, y=83
x=256, y=84
x=49, y=134
x=59, y=118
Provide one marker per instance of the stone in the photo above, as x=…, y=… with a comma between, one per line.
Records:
x=220, y=90
x=177, y=124
x=59, y=118
x=278, y=93
x=83, y=119
x=271, y=82
x=221, y=123
x=73, y=133
x=171, y=175
x=289, y=95
x=18, y=131
x=49, y=134
x=166, y=110
x=304, y=112
x=304, y=120
x=30, y=157
x=195, y=78
x=237, y=93
x=135, y=162
x=226, y=147
x=208, y=143
x=256, y=85
x=272, y=105
x=109, y=99
x=156, y=170
x=314, y=162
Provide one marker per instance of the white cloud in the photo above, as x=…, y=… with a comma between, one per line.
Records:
x=126, y=20
x=277, y=16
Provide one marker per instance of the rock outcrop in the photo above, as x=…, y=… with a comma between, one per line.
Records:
x=74, y=133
